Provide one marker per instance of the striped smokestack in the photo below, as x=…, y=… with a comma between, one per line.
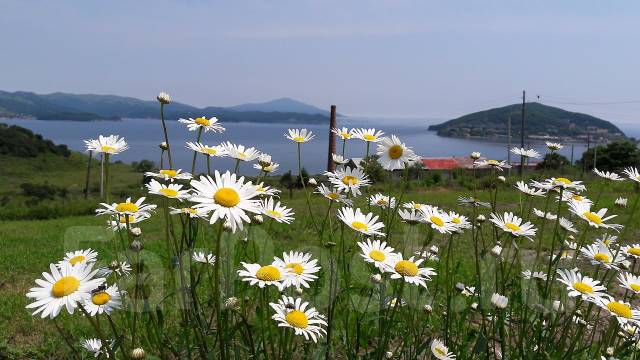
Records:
x=332, y=139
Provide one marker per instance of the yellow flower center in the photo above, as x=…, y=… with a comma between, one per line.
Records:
x=350, y=180
x=577, y=197
x=635, y=287
x=274, y=214
x=381, y=202
x=593, y=217
x=210, y=151
x=123, y=219
x=396, y=151
x=299, y=139
x=333, y=196
x=512, y=226
x=406, y=268
x=417, y=206
x=564, y=181
x=493, y=162
x=168, y=172
x=65, y=286
x=202, y=121
x=76, y=259
x=456, y=220
x=583, y=288
x=107, y=148
x=226, y=197
x=369, y=137
x=602, y=257
x=189, y=211
x=436, y=220
x=295, y=267
x=100, y=298
x=377, y=255
x=127, y=207
x=359, y=226
x=620, y=309
x=634, y=251
x=298, y=319
x=169, y=192
x=268, y=273
x=345, y=135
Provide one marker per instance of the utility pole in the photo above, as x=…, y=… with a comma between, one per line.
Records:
x=509, y=144
x=332, y=140
x=524, y=94
x=86, y=184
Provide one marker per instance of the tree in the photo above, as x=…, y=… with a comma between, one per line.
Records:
x=553, y=161
x=143, y=166
x=373, y=169
x=286, y=181
x=612, y=157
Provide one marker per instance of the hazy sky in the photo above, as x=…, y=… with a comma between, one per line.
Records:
x=382, y=58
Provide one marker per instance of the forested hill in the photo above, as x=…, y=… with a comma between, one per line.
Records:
x=541, y=121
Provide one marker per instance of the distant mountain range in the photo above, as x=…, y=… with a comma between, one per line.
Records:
x=87, y=107
x=541, y=122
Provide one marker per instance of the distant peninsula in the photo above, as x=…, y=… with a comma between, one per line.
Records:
x=91, y=107
x=542, y=122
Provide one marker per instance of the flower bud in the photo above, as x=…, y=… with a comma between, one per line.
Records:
x=163, y=98
x=427, y=308
x=502, y=178
x=258, y=219
x=136, y=246
x=376, y=278
x=231, y=303
x=388, y=355
x=481, y=218
x=312, y=182
x=496, y=250
x=138, y=353
x=163, y=146
x=475, y=155
x=136, y=231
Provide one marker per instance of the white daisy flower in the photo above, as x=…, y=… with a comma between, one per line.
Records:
x=94, y=346
x=273, y=167
x=116, y=267
x=608, y=239
x=299, y=135
x=204, y=258
x=103, y=300
x=203, y=123
x=112, y=144
x=554, y=146
x=560, y=183
x=542, y=214
x=295, y=314
x=378, y=253
x=348, y=179
x=364, y=224
x=343, y=133
x=79, y=257
x=623, y=311
x=631, y=250
x=523, y=187
x=494, y=164
x=595, y=219
x=339, y=159
x=411, y=217
x=600, y=254
x=120, y=221
x=439, y=220
x=440, y=351
x=499, y=301
x=528, y=274
x=64, y=287
x=368, y=135
x=513, y=224
x=276, y=211
x=239, y=152
x=263, y=190
x=163, y=98
x=459, y=221
x=171, y=175
x=629, y=281
x=620, y=201
x=394, y=154
x=192, y=212
x=413, y=205
x=475, y=155
x=567, y=225
x=528, y=153
x=127, y=208
x=410, y=271
x=300, y=267
x=216, y=150
x=632, y=173
x=382, y=201
x=171, y=191
x=470, y=201
x=266, y=275
x=608, y=175
x=226, y=198
x=333, y=195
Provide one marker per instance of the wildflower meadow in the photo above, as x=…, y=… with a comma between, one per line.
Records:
x=517, y=269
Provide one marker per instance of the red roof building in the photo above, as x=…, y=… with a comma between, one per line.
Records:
x=448, y=163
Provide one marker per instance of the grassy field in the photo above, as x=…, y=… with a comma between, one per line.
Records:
x=29, y=246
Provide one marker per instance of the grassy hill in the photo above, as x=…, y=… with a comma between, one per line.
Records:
x=86, y=107
x=541, y=121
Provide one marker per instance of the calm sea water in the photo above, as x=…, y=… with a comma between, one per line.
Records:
x=144, y=135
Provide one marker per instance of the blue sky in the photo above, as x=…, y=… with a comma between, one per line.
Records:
x=435, y=59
